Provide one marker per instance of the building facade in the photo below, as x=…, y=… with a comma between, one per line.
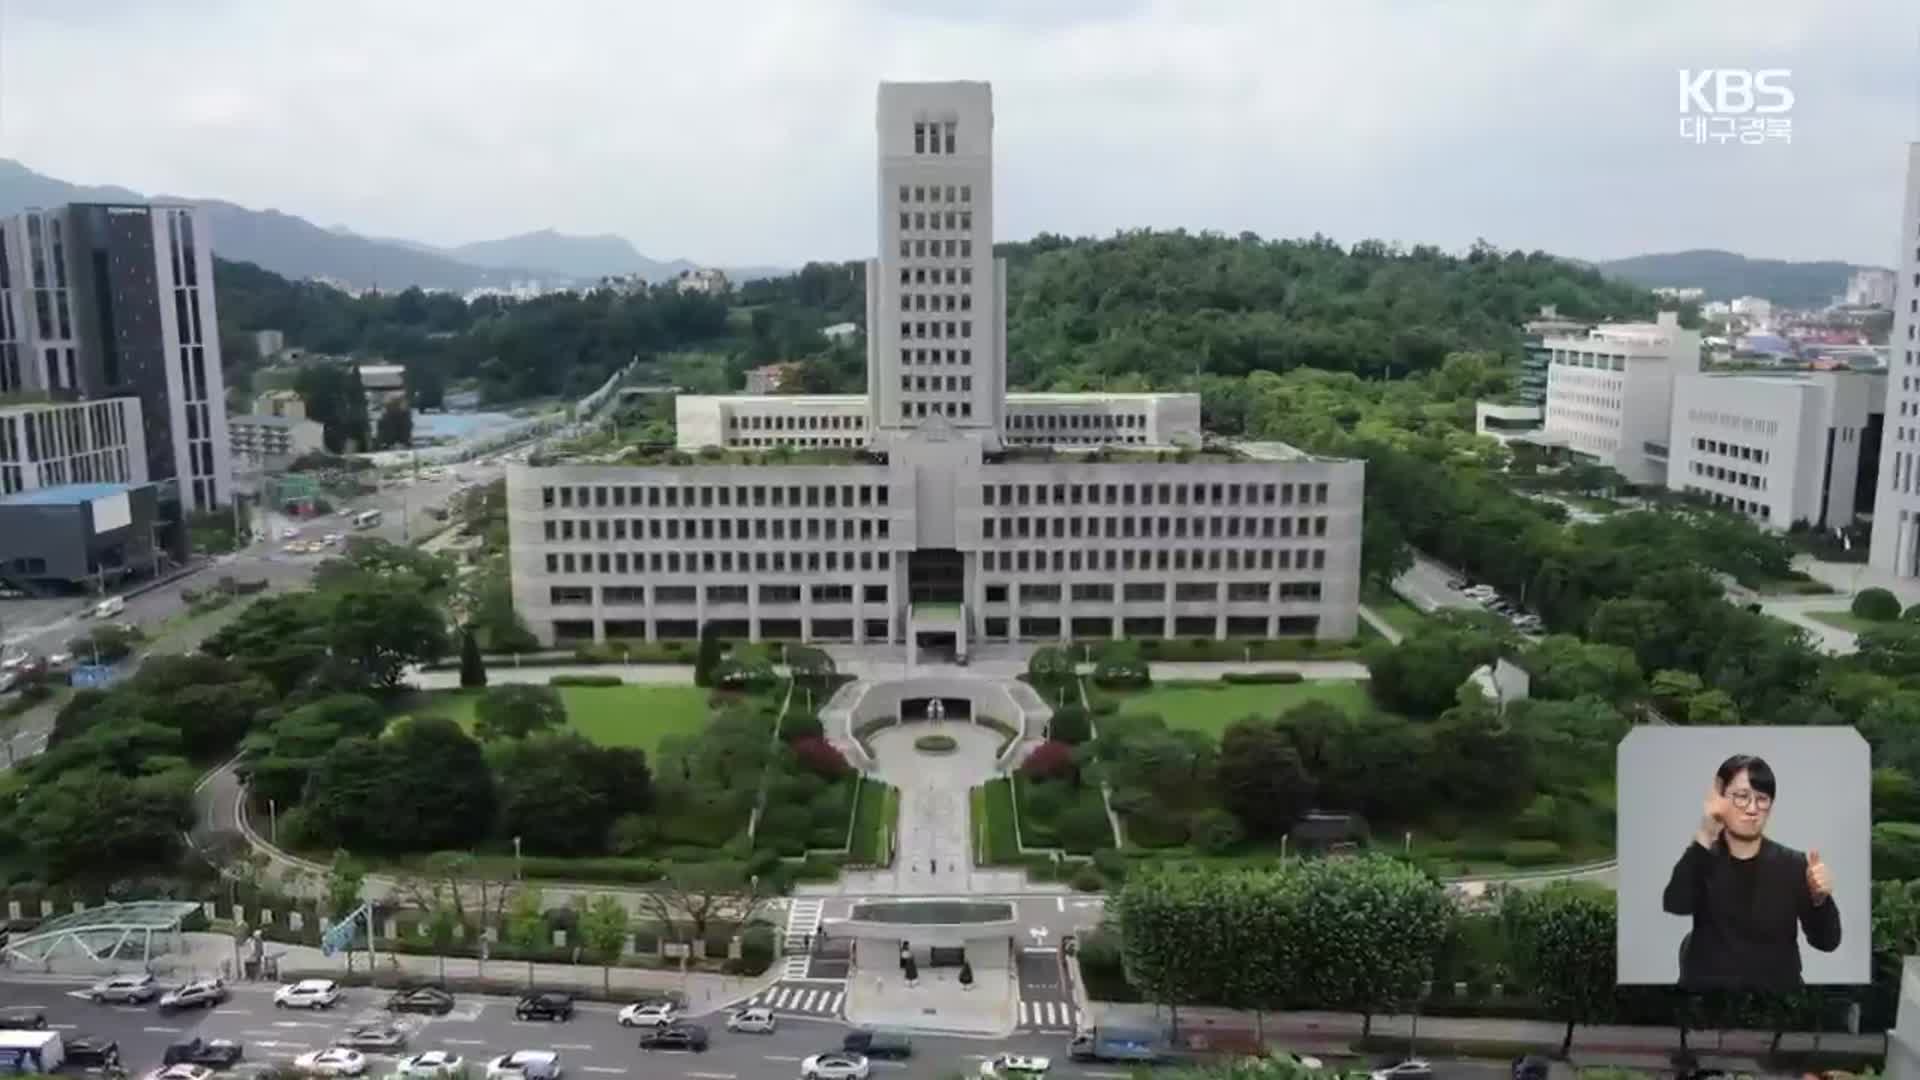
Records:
x=57, y=443
x=1896, y=511
x=938, y=509
x=264, y=441
x=1532, y=384
x=1785, y=449
x=110, y=300
x=87, y=535
x=1871, y=287
x=1610, y=393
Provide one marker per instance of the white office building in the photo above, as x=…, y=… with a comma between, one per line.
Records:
x=937, y=509
x=1609, y=392
x=1896, y=511
x=51, y=444
x=1784, y=448
x=1871, y=287
x=266, y=441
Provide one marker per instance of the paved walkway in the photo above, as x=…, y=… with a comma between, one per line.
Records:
x=501, y=673
x=935, y=852
x=1795, y=609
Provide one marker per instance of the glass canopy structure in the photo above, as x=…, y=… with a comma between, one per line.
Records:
x=109, y=937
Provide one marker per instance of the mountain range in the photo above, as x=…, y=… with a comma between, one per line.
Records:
x=1725, y=275
x=294, y=247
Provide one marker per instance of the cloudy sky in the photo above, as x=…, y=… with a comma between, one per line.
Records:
x=742, y=132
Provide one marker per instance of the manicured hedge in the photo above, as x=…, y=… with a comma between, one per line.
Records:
x=1530, y=852
x=935, y=744
x=1245, y=678
x=585, y=680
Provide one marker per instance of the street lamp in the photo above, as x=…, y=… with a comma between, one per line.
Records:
x=516, y=858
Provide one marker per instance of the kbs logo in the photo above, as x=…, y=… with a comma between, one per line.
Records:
x=1728, y=104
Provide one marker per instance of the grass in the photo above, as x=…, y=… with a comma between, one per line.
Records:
x=1845, y=620
x=995, y=841
x=1398, y=614
x=1210, y=706
x=875, y=813
x=638, y=716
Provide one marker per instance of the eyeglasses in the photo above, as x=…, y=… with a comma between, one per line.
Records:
x=1750, y=800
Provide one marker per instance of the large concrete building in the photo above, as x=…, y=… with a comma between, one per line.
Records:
x=1610, y=392
x=107, y=300
x=1896, y=512
x=937, y=509
x=49, y=444
x=1785, y=448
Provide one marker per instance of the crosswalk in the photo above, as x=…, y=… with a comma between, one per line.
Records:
x=803, y=921
x=817, y=999
x=1049, y=1015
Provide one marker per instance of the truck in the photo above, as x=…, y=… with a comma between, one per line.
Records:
x=1106, y=1043
x=31, y=1051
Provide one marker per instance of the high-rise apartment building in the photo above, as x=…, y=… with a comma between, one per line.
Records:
x=1896, y=510
x=109, y=300
x=937, y=509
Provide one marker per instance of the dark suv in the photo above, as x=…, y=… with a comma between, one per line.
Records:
x=545, y=1006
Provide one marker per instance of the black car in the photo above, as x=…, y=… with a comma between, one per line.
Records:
x=545, y=1006
x=23, y=1017
x=92, y=1052
x=675, y=1037
x=213, y=1053
x=877, y=1044
x=378, y=1039
x=421, y=999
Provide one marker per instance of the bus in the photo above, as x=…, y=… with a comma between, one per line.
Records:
x=366, y=519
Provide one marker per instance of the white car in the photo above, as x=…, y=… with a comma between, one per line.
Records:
x=1015, y=1065
x=126, y=989
x=759, y=1020
x=181, y=1072
x=1410, y=1069
x=835, y=1066
x=650, y=1014
x=333, y=1061
x=308, y=994
x=525, y=1065
x=289, y=533
x=431, y=1063
x=1300, y=1061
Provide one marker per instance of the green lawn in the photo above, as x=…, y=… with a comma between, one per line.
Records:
x=874, y=817
x=994, y=840
x=1845, y=620
x=609, y=715
x=1398, y=614
x=1211, y=706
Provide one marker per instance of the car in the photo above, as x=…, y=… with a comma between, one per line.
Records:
x=1531, y=1067
x=549, y=1005
x=378, y=1038
x=25, y=1016
x=877, y=1044
x=758, y=1020
x=675, y=1037
x=1410, y=1069
x=421, y=999
x=307, y=994
x=129, y=989
x=525, y=1065
x=92, y=1052
x=649, y=1014
x=431, y=1063
x=836, y=1065
x=181, y=1072
x=199, y=994
x=1299, y=1061
x=333, y=1061
x=1015, y=1065
x=213, y=1053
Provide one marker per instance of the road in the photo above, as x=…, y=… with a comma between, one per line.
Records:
x=481, y=1027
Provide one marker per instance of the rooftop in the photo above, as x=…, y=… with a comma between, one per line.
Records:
x=66, y=494
x=137, y=914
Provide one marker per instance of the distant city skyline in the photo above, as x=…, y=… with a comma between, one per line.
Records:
x=741, y=133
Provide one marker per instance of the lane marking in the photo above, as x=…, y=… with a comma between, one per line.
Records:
x=712, y=1076
x=63, y=1027
x=162, y=1030
x=781, y=1057
x=1104, y=1075
x=573, y=1046
x=1059, y=903
x=465, y=1042
x=603, y=1069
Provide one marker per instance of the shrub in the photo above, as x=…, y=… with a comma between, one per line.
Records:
x=799, y=723
x=1050, y=760
x=1896, y=851
x=756, y=951
x=1244, y=678
x=1112, y=866
x=1103, y=704
x=1876, y=605
x=1912, y=614
x=1087, y=879
x=1529, y=852
x=1070, y=725
x=631, y=834
x=1215, y=831
x=1084, y=828
x=935, y=744
x=584, y=680
x=1539, y=821
x=821, y=757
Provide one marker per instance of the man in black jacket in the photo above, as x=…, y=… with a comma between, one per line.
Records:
x=1748, y=896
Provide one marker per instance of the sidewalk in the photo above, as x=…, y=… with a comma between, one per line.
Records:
x=502, y=673
x=1333, y=1031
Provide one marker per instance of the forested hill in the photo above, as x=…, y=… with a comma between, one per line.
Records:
x=1145, y=309
x=1139, y=310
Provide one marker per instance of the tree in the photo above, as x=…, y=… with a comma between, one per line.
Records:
x=1876, y=605
x=473, y=670
x=381, y=630
x=1365, y=932
x=1384, y=553
x=693, y=895
x=1890, y=649
x=425, y=786
x=527, y=928
x=707, y=660
x=1261, y=780
x=1564, y=667
x=1711, y=707
x=1049, y=665
x=603, y=929
x=745, y=665
x=97, y=826
x=516, y=711
x=395, y=427
x=443, y=922
x=1420, y=676
x=1485, y=764
x=1561, y=944
x=336, y=400
x=1121, y=663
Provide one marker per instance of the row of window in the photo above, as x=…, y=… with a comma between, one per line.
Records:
x=919, y=301
x=63, y=432
x=716, y=562
x=1154, y=592
x=920, y=410
x=960, y=329
x=95, y=467
x=1124, y=528
x=1112, y=560
x=921, y=193
x=934, y=137
x=931, y=384
x=1730, y=476
x=952, y=219
x=910, y=357
x=993, y=593
x=1732, y=450
x=584, y=496
x=1745, y=506
x=1165, y=493
x=769, y=442
x=936, y=249
x=1735, y=421
x=636, y=595
x=790, y=422
x=1074, y=421
x=935, y=275
x=755, y=528
x=1562, y=358
x=992, y=628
